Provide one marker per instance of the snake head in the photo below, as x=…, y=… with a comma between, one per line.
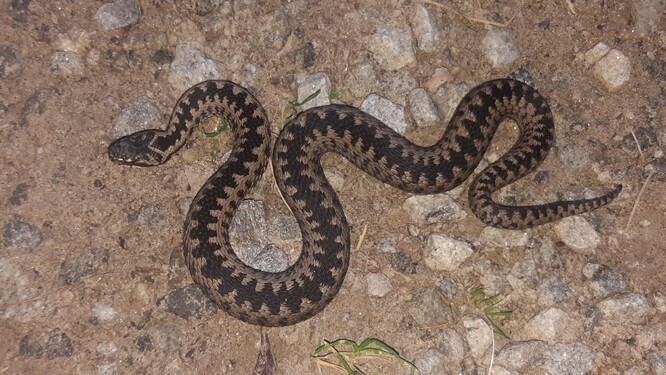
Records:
x=135, y=149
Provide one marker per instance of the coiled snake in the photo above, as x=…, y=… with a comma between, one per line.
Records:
x=306, y=287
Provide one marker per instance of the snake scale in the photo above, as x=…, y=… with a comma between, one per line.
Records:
x=307, y=286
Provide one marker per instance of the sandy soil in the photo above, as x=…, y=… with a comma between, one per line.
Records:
x=56, y=176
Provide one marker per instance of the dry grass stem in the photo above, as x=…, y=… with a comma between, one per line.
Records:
x=638, y=199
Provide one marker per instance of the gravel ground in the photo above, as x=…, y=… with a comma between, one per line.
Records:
x=91, y=266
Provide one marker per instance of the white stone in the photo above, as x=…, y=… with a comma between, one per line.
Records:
x=577, y=233
x=499, y=48
x=379, y=284
x=426, y=31
x=614, y=69
x=443, y=253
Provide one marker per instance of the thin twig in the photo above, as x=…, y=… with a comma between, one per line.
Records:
x=638, y=145
x=571, y=7
x=492, y=354
x=638, y=198
x=362, y=237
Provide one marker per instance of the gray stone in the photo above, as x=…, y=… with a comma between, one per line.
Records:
x=499, y=47
x=614, y=69
x=30, y=347
x=429, y=308
x=521, y=355
x=188, y=302
x=58, y=345
x=443, y=253
x=21, y=235
x=430, y=362
x=387, y=244
x=425, y=28
x=545, y=254
x=191, y=66
x=140, y=115
x=386, y=111
x=657, y=362
x=118, y=14
x=392, y=48
x=603, y=280
x=435, y=208
x=404, y=263
x=398, y=86
x=577, y=233
x=379, y=284
x=503, y=238
x=479, y=336
x=362, y=79
x=10, y=66
x=448, y=97
x=648, y=15
x=567, y=359
x=249, y=223
x=267, y=258
x=628, y=307
x=66, y=63
x=553, y=291
x=524, y=274
x=77, y=266
x=452, y=344
x=308, y=85
x=422, y=108
x=553, y=325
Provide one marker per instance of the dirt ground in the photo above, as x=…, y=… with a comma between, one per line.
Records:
x=54, y=131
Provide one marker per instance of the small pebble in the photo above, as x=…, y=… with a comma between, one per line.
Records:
x=140, y=115
x=520, y=355
x=614, y=69
x=429, y=308
x=628, y=307
x=308, y=85
x=603, y=280
x=577, y=233
x=553, y=325
x=437, y=208
x=479, y=336
x=379, y=284
x=567, y=359
x=503, y=238
x=66, y=63
x=191, y=66
x=10, y=65
x=430, y=362
x=392, y=48
x=499, y=47
x=425, y=28
x=118, y=14
x=188, y=302
x=422, y=108
x=385, y=111
x=21, y=235
x=443, y=253
x=103, y=312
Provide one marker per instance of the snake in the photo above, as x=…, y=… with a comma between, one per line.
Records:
x=307, y=286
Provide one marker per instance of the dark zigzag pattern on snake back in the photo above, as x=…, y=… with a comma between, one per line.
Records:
x=306, y=287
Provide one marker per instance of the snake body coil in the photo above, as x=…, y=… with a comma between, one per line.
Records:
x=306, y=287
